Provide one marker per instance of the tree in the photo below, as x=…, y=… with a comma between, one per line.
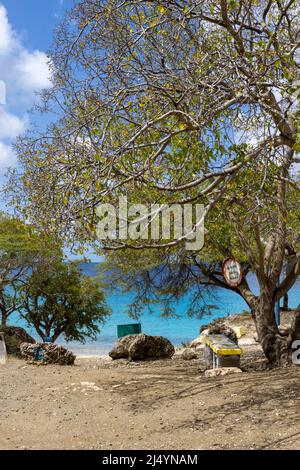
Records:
x=21, y=248
x=59, y=300
x=290, y=255
x=163, y=276
x=176, y=102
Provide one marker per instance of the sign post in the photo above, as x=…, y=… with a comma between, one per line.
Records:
x=232, y=272
x=3, y=352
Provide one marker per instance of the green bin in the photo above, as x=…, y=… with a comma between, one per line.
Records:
x=131, y=329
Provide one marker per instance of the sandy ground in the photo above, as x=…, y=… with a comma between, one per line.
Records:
x=153, y=405
x=170, y=404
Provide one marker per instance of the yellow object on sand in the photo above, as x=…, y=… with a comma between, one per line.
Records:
x=239, y=331
x=222, y=345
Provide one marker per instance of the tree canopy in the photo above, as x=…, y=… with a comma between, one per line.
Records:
x=21, y=248
x=177, y=102
x=59, y=300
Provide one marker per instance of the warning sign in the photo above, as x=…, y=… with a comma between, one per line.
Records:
x=232, y=272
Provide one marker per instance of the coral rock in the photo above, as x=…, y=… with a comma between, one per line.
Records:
x=141, y=346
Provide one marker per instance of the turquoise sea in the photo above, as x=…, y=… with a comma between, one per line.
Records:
x=177, y=330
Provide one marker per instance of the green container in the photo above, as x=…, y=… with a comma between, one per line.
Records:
x=131, y=329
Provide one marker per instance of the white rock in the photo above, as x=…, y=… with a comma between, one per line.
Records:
x=196, y=342
x=189, y=354
x=222, y=371
x=199, y=340
x=246, y=342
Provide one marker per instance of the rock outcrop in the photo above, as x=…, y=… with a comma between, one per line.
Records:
x=219, y=328
x=141, y=347
x=47, y=353
x=197, y=343
x=14, y=336
x=188, y=354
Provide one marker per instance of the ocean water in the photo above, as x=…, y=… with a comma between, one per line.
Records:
x=177, y=330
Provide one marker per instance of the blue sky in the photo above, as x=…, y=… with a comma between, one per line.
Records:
x=26, y=33
x=34, y=20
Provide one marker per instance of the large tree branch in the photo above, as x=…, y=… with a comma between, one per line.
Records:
x=289, y=280
x=280, y=229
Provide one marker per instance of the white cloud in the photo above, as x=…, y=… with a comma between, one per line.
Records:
x=7, y=156
x=11, y=125
x=33, y=71
x=23, y=72
x=6, y=34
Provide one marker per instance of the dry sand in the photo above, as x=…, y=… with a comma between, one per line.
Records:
x=99, y=404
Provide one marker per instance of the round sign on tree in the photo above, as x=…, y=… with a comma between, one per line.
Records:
x=232, y=272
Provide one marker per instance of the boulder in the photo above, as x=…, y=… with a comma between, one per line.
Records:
x=222, y=371
x=47, y=353
x=14, y=336
x=219, y=328
x=141, y=346
x=120, y=351
x=188, y=354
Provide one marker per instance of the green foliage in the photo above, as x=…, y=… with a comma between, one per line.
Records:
x=60, y=300
x=163, y=276
x=174, y=102
x=21, y=247
x=20, y=243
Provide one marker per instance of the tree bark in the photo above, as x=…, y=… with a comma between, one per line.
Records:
x=285, y=302
x=56, y=335
x=278, y=348
x=3, y=318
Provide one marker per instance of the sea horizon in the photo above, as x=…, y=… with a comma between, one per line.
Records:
x=179, y=329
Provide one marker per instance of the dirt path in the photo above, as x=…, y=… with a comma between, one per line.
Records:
x=154, y=405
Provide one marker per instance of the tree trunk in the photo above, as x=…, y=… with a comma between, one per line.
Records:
x=275, y=346
x=3, y=318
x=286, y=302
x=278, y=348
x=56, y=334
